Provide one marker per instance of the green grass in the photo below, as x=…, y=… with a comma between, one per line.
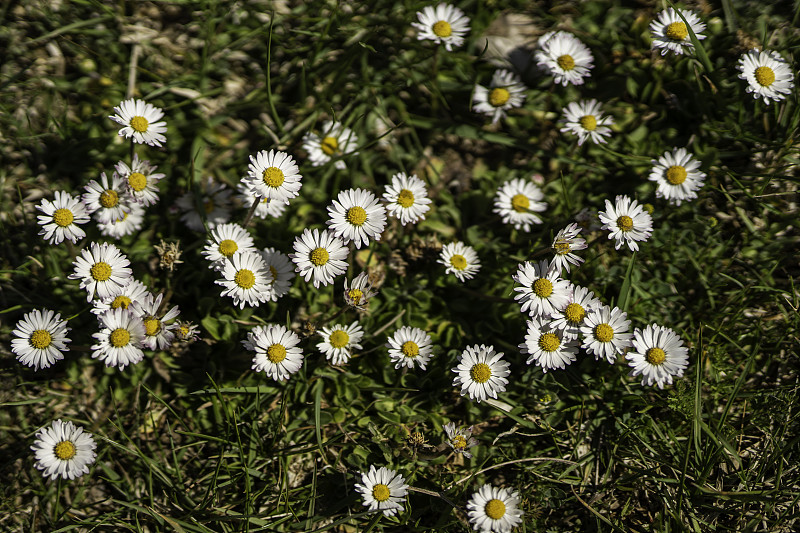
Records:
x=191, y=440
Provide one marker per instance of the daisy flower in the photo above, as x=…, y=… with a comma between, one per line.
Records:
x=157, y=333
x=214, y=201
x=677, y=176
x=627, y=222
x=226, y=240
x=481, y=372
x=276, y=351
x=542, y=291
x=671, y=34
x=320, y=255
x=61, y=217
x=767, y=75
x=410, y=346
x=407, y=198
x=63, y=449
x=564, y=244
x=517, y=201
x=132, y=292
x=494, y=509
x=547, y=346
x=459, y=260
x=383, y=490
x=42, y=337
x=340, y=341
x=119, y=342
x=103, y=270
x=266, y=207
x=186, y=331
x=460, y=439
x=358, y=293
x=505, y=92
x=336, y=141
x=570, y=319
x=565, y=57
x=443, y=24
x=140, y=121
x=606, y=333
x=282, y=272
x=356, y=215
x=585, y=120
x=274, y=175
x=587, y=219
x=130, y=223
x=246, y=279
x=658, y=354
x=140, y=179
x=105, y=201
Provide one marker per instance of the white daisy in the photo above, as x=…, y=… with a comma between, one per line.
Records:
x=565, y=57
x=140, y=121
x=410, y=346
x=226, y=240
x=494, y=509
x=132, y=292
x=443, y=24
x=119, y=342
x=383, y=490
x=585, y=120
x=505, y=92
x=130, y=223
x=246, y=279
x=460, y=439
x=658, y=354
x=63, y=449
x=282, y=271
x=103, y=270
x=105, y=201
x=61, y=218
x=266, y=207
x=627, y=222
x=481, y=372
x=336, y=141
x=140, y=179
x=407, y=198
x=671, y=34
x=547, y=346
x=358, y=292
x=459, y=260
x=42, y=337
x=157, y=333
x=213, y=205
x=677, y=176
x=569, y=319
x=187, y=331
x=340, y=341
x=606, y=333
x=356, y=215
x=274, y=175
x=566, y=242
x=767, y=74
x=542, y=291
x=320, y=255
x=276, y=351
x=517, y=201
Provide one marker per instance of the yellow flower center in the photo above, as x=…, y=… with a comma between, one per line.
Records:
x=355, y=295
x=442, y=29
x=184, y=330
x=274, y=274
x=542, y=287
x=121, y=301
x=588, y=122
x=520, y=203
x=458, y=261
x=410, y=349
x=63, y=217
x=109, y=198
x=208, y=205
x=139, y=124
x=625, y=223
x=40, y=339
x=765, y=76
x=339, y=339
x=319, y=256
x=245, y=279
x=100, y=271
x=603, y=332
x=329, y=145
x=119, y=337
x=677, y=31
x=480, y=373
x=228, y=247
x=459, y=442
x=566, y=62
x=276, y=353
x=405, y=198
x=655, y=356
x=380, y=492
x=137, y=181
x=499, y=96
x=676, y=174
x=549, y=342
x=273, y=177
x=152, y=326
x=561, y=248
x=495, y=509
x=356, y=215
x=574, y=313
x=65, y=450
